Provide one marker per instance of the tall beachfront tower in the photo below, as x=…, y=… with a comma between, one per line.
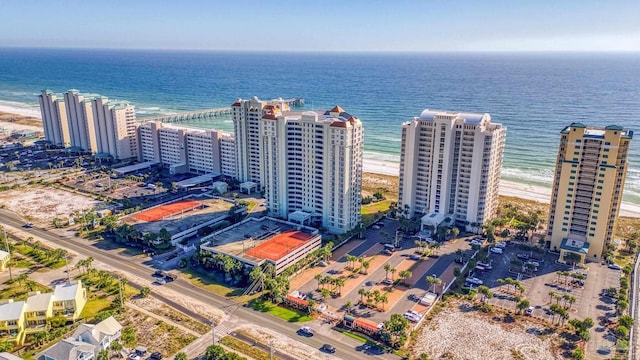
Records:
x=450, y=166
x=311, y=166
x=246, y=115
x=587, y=190
x=90, y=122
x=54, y=119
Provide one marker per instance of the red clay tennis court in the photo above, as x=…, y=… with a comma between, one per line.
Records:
x=162, y=211
x=280, y=245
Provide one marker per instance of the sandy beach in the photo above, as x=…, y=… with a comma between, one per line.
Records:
x=507, y=188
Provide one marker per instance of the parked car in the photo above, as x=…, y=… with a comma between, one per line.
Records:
x=387, y=282
x=134, y=356
x=476, y=242
x=474, y=280
x=387, y=252
x=501, y=244
x=496, y=250
x=411, y=317
x=155, y=356
x=577, y=283
x=414, y=313
x=529, y=311
x=534, y=263
x=323, y=263
x=615, y=267
x=414, y=257
x=523, y=256
x=161, y=281
x=328, y=348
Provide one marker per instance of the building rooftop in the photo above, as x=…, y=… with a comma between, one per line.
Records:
x=280, y=245
x=8, y=356
x=66, y=349
x=38, y=302
x=469, y=118
x=11, y=310
x=198, y=180
x=66, y=291
x=108, y=326
x=4, y=254
x=254, y=240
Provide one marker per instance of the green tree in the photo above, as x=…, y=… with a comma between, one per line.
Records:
x=523, y=304
x=181, y=356
x=433, y=282
x=129, y=337
x=6, y=346
x=485, y=292
x=387, y=267
x=57, y=321
x=394, y=332
x=214, y=352
x=404, y=275
x=115, y=346
x=145, y=291
x=626, y=321
x=103, y=355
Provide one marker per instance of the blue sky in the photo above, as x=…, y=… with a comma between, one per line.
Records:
x=329, y=25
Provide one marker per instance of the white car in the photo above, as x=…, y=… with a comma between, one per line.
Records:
x=414, y=313
x=161, y=281
x=134, y=356
x=474, y=280
x=533, y=263
x=476, y=242
x=501, y=245
x=411, y=317
x=496, y=250
x=529, y=311
x=387, y=282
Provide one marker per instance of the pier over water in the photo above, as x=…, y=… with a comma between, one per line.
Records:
x=207, y=113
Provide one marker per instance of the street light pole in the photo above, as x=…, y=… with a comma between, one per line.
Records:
x=66, y=264
x=270, y=349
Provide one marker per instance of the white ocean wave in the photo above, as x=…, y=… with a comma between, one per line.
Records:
x=381, y=156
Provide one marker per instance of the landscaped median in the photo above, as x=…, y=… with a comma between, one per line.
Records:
x=244, y=348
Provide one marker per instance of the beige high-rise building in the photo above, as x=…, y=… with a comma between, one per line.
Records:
x=91, y=123
x=185, y=149
x=587, y=190
x=246, y=115
x=54, y=118
x=450, y=166
x=311, y=166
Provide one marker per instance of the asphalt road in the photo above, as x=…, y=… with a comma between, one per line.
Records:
x=346, y=347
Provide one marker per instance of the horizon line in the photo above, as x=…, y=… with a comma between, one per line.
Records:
x=327, y=51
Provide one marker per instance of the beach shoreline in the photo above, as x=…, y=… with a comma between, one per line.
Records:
x=507, y=188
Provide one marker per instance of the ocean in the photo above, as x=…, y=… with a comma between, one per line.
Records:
x=535, y=95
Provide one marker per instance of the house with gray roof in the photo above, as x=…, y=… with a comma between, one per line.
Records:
x=68, y=349
x=100, y=335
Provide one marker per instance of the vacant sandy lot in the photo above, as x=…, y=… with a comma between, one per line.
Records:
x=460, y=333
x=41, y=204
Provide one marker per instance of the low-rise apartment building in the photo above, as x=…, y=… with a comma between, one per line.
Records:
x=4, y=260
x=85, y=343
x=12, y=320
x=184, y=149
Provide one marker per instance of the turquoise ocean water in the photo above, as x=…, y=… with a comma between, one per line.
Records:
x=534, y=95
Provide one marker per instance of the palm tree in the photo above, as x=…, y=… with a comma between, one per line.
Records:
x=339, y=283
x=404, y=275
x=552, y=295
x=362, y=292
x=21, y=278
x=115, y=346
x=348, y=306
x=433, y=281
x=366, y=265
x=486, y=292
x=318, y=278
x=523, y=305
x=384, y=299
x=387, y=267
x=393, y=273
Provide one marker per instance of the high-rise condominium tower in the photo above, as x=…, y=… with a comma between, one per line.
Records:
x=587, y=190
x=450, y=167
x=91, y=123
x=311, y=166
x=246, y=115
x=54, y=119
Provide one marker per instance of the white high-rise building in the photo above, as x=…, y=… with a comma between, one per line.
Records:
x=54, y=119
x=311, y=166
x=185, y=149
x=90, y=122
x=246, y=115
x=450, y=167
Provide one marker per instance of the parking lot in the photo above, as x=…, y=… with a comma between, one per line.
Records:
x=543, y=286
x=401, y=297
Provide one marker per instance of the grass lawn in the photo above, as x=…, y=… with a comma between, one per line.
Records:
x=19, y=291
x=23, y=263
x=94, y=305
x=40, y=256
x=201, y=279
x=289, y=315
x=244, y=348
x=354, y=336
x=372, y=211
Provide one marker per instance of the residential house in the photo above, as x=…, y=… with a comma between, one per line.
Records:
x=12, y=320
x=38, y=309
x=100, y=335
x=68, y=349
x=69, y=300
